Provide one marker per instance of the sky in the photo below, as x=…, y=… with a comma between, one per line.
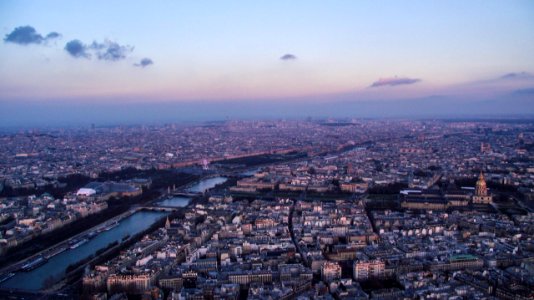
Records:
x=63, y=62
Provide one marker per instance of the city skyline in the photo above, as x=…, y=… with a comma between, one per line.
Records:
x=66, y=62
x=360, y=209
x=266, y=150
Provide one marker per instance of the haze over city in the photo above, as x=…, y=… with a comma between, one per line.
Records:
x=66, y=63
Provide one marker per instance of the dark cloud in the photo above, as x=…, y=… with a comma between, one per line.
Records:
x=394, y=81
x=144, y=62
x=520, y=75
x=107, y=50
x=288, y=57
x=26, y=35
x=77, y=49
x=111, y=51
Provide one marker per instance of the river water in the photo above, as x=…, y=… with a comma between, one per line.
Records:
x=175, y=202
x=206, y=184
x=56, y=266
x=250, y=172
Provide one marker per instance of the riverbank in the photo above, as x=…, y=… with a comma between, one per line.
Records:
x=69, y=247
x=115, y=208
x=74, y=275
x=55, y=267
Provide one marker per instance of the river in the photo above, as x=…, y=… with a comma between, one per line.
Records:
x=175, y=202
x=55, y=267
x=250, y=172
x=206, y=184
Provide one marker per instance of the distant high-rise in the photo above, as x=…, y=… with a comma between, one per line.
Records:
x=485, y=147
x=521, y=138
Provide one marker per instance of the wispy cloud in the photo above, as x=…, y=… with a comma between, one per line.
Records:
x=519, y=75
x=107, y=50
x=26, y=35
x=144, y=62
x=394, y=81
x=288, y=57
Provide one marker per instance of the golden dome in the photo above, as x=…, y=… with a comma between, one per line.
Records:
x=481, y=189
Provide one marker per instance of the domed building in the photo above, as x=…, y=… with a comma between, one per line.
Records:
x=481, y=191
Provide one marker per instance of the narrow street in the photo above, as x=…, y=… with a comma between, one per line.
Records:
x=290, y=226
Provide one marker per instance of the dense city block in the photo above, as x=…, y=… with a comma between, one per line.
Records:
x=329, y=209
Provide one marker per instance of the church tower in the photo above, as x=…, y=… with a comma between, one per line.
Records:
x=167, y=223
x=481, y=191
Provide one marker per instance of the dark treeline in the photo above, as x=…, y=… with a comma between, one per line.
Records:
x=388, y=189
x=250, y=161
x=160, y=178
